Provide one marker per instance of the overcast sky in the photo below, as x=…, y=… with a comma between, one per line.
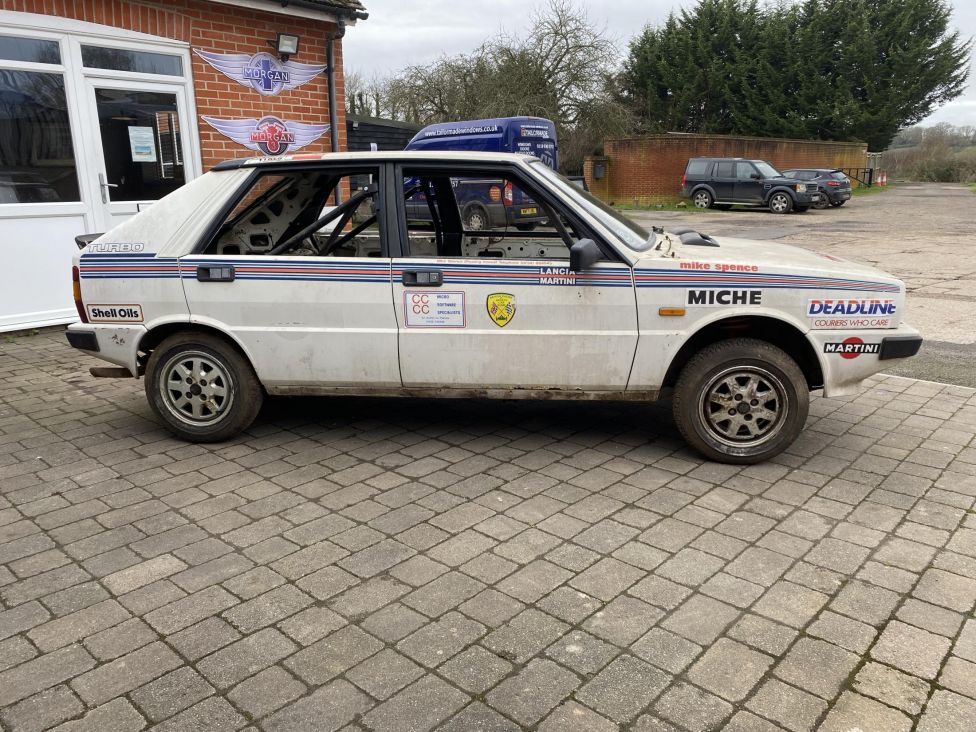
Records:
x=403, y=32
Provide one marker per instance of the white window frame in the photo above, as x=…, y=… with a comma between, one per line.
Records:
x=70, y=35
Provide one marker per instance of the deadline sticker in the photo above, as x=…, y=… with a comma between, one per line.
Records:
x=501, y=308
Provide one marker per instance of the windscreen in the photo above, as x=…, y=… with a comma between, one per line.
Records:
x=632, y=234
x=767, y=170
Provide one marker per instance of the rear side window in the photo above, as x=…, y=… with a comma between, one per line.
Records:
x=725, y=170
x=698, y=167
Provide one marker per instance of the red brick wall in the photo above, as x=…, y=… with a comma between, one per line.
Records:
x=221, y=28
x=643, y=170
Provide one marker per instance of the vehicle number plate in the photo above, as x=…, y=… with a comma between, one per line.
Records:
x=529, y=211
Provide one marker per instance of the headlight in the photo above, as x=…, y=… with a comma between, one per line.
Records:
x=801, y=187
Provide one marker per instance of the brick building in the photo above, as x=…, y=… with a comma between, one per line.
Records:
x=644, y=170
x=108, y=105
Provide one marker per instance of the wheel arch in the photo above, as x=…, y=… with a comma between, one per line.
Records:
x=777, y=332
x=702, y=186
x=781, y=189
x=156, y=335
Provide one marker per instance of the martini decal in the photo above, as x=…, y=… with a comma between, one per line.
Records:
x=268, y=135
x=261, y=71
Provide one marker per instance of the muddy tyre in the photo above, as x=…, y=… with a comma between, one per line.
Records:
x=202, y=388
x=740, y=401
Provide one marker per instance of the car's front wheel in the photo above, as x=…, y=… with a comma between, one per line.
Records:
x=741, y=401
x=780, y=203
x=702, y=199
x=202, y=388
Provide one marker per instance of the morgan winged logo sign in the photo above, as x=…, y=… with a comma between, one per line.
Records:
x=261, y=71
x=268, y=135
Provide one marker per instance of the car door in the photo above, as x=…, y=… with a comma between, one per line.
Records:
x=748, y=184
x=316, y=314
x=723, y=181
x=501, y=308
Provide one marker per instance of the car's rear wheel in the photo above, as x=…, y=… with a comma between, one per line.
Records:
x=780, y=203
x=202, y=388
x=702, y=199
x=822, y=202
x=741, y=401
x=837, y=204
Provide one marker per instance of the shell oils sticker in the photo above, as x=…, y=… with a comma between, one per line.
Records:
x=851, y=347
x=114, y=313
x=501, y=308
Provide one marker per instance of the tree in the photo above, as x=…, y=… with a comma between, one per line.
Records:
x=828, y=69
x=564, y=69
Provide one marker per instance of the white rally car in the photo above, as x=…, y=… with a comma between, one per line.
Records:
x=355, y=274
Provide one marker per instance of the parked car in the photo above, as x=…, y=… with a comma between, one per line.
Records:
x=724, y=182
x=237, y=285
x=834, y=186
x=486, y=203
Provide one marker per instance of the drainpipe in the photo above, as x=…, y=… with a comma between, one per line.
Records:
x=338, y=33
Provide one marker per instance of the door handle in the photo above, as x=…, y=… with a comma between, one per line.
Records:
x=105, y=185
x=423, y=277
x=219, y=273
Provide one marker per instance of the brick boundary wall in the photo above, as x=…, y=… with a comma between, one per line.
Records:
x=222, y=29
x=647, y=170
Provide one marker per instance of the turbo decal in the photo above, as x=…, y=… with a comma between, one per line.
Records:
x=116, y=247
x=268, y=135
x=501, y=308
x=851, y=347
x=851, y=307
x=262, y=71
x=718, y=298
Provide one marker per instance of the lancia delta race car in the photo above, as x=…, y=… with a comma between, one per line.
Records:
x=304, y=275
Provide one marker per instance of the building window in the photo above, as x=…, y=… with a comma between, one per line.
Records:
x=120, y=59
x=14, y=48
x=37, y=160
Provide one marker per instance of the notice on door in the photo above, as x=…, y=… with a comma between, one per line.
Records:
x=433, y=309
x=142, y=144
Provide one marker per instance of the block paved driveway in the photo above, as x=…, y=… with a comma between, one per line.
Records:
x=401, y=565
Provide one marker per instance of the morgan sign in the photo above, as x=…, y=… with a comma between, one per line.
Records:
x=262, y=71
x=268, y=135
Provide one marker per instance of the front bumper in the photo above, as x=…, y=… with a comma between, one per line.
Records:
x=848, y=357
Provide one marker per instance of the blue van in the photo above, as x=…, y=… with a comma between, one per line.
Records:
x=485, y=203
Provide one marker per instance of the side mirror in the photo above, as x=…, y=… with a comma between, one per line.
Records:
x=583, y=255
x=755, y=176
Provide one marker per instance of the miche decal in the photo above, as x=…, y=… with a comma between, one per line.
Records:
x=851, y=347
x=851, y=307
x=724, y=297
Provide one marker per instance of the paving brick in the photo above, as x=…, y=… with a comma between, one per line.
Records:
x=692, y=708
x=42, y=673
x=421, y=705
x=437, y=642
x=43, y=710
x=700, y=619
x=333, y=655
x=384, y=674
x=125, y=673
x=892, y=687
x=245, y=657
x=623, y=688
x=190, y=610
x=214, y=715
x=203, y=638
x=142, y=574
x=268, y=608
x=117, y=715
x=21, y=618
x=853, y=711
x=528, y=696
x=729, y=669
x=947, y=712
x=325, y=710
x=171, y=693
x=266, y=692
x=911, y=649
x=81, y=624
x=525, y=635
x=792, y=708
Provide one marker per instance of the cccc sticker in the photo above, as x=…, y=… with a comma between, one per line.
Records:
x=501, y=308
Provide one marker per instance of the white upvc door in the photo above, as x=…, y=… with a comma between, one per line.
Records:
x=140, y=149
